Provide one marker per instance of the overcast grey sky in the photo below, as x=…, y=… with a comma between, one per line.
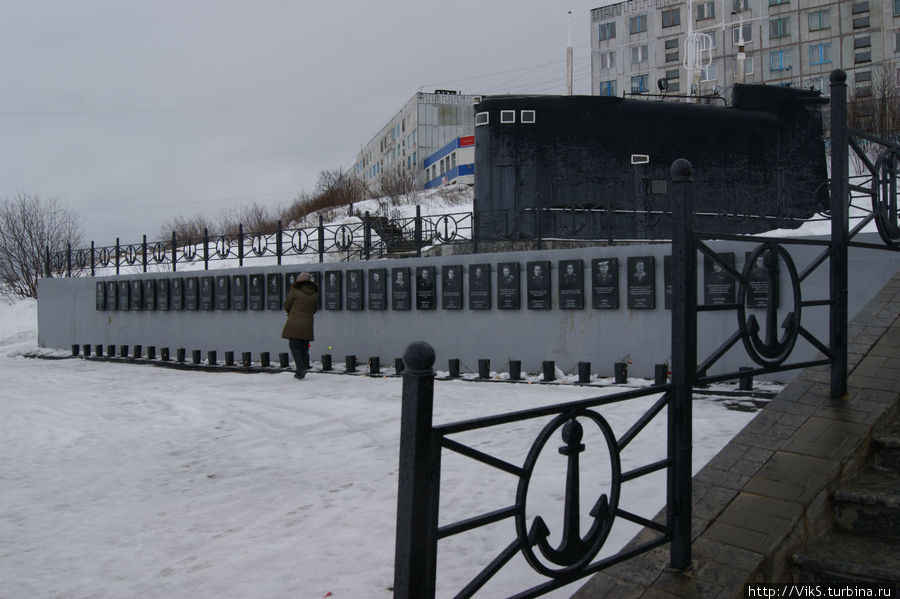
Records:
x=131, y=113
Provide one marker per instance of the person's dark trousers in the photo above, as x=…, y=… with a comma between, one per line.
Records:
x=300, y=352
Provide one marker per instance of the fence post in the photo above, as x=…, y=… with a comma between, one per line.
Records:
x=205, y=248
x=144, y=253
x=538, y=229
x=174, y=253
x=92, y=257
x=278, y=243
x=47, y=262
x=684, y=363
x=118, y=250
x=240, y=244
x=839, y=232
x=321, y=239
x=367, y=235
x=474, y=221
x=418, y=231
x=68, y=259
x=415, y=557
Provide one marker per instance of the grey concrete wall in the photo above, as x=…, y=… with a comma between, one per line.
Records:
x=67, y=315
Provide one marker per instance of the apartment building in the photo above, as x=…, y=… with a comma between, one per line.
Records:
x=425, y=125
x=638, y=46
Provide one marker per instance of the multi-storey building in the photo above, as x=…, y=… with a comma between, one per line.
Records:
x=639, y=45
x=425, y=124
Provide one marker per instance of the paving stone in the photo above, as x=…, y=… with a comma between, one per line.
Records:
x=602, y=586
x=742, y=559
x=686, y=586
x=826, y=438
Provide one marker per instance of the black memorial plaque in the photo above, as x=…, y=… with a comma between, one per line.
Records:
x=400, y=289
x=112, y=294
x=207, y=292
x=718, y=285
x=137, y=296
x=333, y=290
x=538, y=285
x=509, y=292
x=191, y=293
x=274, y=299
x=451, y=287
x=317, y=279
x=177, y=291
x=480, y=287
x=222, y=294
x=377, y=289
x=667, y=282
x=101, y=295
x=641, y=282
x=162, y=294
x=256, y=291
x=289, y=279
x=355, y=289
x=124, y=296
x=149, y=294
x=571, y=284
x=239, y=292
x=759, y=282
x=605, y=283
x=425, y=297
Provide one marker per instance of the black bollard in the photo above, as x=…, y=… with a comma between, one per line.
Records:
x=350, y=363
x=164, y=354
x=110, y=351
x=87, y=350
x=123, y=351
x=484, y=368
x=98, y=350
x=621, y=370
x=454, y=368
x=75, y=349
x=264, y=359
x=515, y=370
x=398, y=365
x=660, y=374
x=245, y=359
x=374, y=365
x=326, y=362
x=746, y=380
x=196, y=356
x=549, y=369
x=283, y=360
x=137, y=352
x=179, y=355
x=151, y=352
x=584, y=372
x=229, y=358
x=212, y=358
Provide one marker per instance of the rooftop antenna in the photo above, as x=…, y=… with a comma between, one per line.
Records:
x=569, y=59
x=697, y=51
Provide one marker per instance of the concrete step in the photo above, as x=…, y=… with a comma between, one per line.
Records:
x=846, y=558
x=887, y=449
x=870, y=503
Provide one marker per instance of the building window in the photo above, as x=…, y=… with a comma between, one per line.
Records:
x=527, y=116
x=706, y=10
x=821, y=84
x=780, y=27
x=736, y=32
x=639, y=84
x=708, y=42
x=861, y=22
x=861, y=57
x=862, y=42
x=898, y=76
x=637, y=24
x=672, y=56
x=897, y=41
x=671, y=17
x=897, y=8
x=607, y=31
x=859, y=7
x=748, y=66
x=507, y=116
x=607, y=60
x=709, y=73
x=638, y=54
x=780, y=60
x=672, y=44
x=607, y=88
x=863, y=77
x=740, y=5
x=820, y=54
x=482, y=118
x=864, y=92
x=777, y=2
x=820, y=19
x=671, y=75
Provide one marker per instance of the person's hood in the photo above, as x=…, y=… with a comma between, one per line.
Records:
x=307, y=287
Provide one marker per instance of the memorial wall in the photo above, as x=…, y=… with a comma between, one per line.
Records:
x=599, y=305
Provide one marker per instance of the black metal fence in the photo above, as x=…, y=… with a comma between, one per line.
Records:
x=768, y=342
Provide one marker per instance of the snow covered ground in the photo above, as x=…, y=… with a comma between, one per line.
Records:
x=121, y=480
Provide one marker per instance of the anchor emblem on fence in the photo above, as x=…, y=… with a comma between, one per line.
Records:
x=343, y=238
x=449, y=229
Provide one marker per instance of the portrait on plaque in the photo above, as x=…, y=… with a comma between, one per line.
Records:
x=451, y=287
x=206, y=293
x=760, y=278
x=479, y=287
x=333, y=290
x=239, y=292
x=425, y=299
x=508, y=288
x=400, y=289
x=605, y=283
x=355, y=289
x=377, y=289
x=176, y=291
x=149, y=294
x=537, y=285
x=112, y=292
x=124, y=296
x=571, y=284
x=641, y=282
x=222, y=293
x=137, y=296
x=718, y=284
x=162, y=294
x=667, y=282
x=101, y=296
x=191, y=293
x=273, y=291
x=256, y=290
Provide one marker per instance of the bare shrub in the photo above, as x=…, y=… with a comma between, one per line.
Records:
x=188, y=229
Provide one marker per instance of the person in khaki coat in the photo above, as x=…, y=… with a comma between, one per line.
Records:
x=300, y=304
